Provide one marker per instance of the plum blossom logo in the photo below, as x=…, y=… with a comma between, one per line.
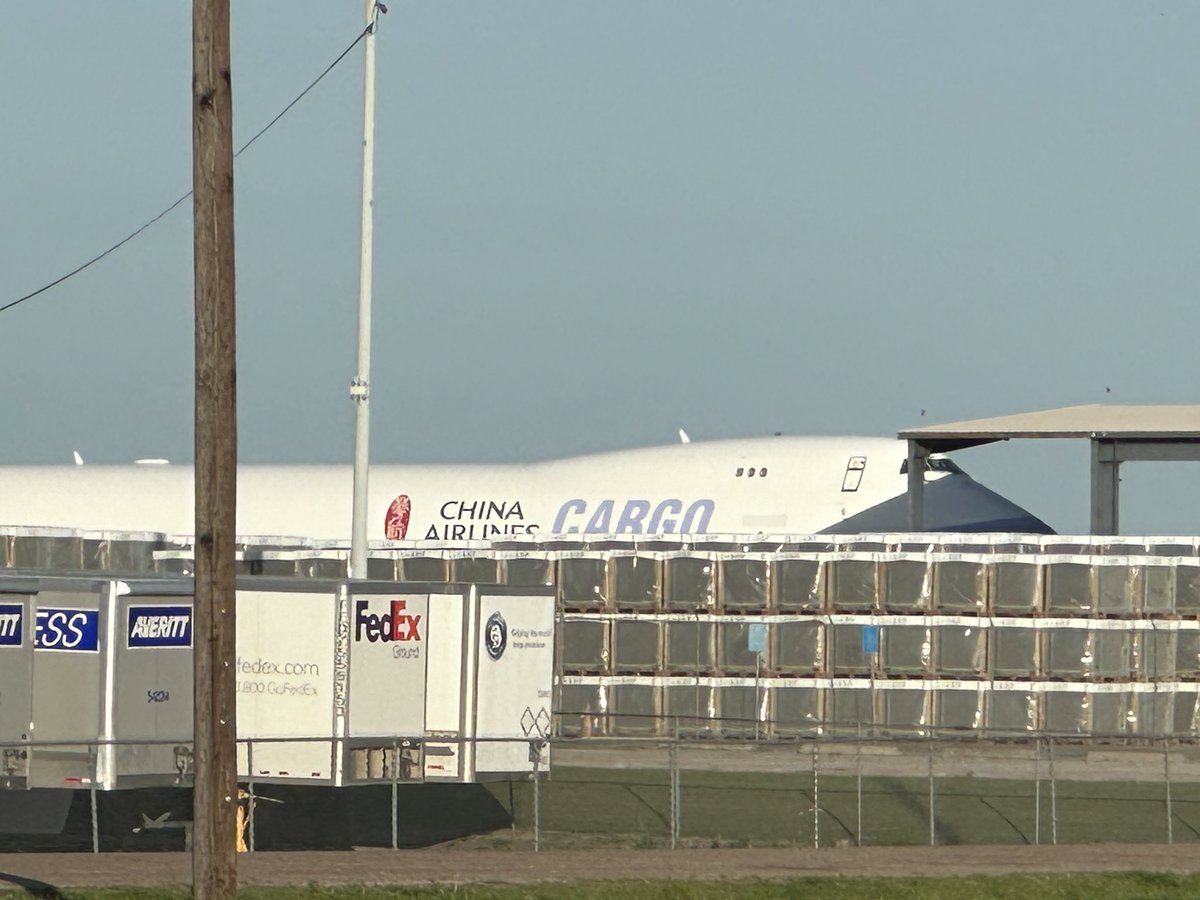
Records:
x=395, y=523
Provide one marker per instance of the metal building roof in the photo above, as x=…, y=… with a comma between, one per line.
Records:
x=1094, y=420
x=1117, y=434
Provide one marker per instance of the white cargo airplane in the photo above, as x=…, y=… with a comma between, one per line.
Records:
x=773, y=485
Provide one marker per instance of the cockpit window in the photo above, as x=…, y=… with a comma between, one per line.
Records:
x=935, y=464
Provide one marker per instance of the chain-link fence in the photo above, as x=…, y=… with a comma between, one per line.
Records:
x=900, y=790
x=679, y=791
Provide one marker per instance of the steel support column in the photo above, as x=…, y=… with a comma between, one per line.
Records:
x=1106, y=489
x=917, y=456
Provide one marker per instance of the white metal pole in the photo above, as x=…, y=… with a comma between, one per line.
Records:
x=359, y=390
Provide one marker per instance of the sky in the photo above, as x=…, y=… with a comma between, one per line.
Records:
x=597, y=223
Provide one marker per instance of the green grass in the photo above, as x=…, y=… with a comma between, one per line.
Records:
x=632, y=808
x=1132, y=885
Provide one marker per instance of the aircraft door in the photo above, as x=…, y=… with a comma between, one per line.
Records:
x=854, y=473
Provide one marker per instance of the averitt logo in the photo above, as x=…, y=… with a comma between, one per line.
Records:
x=495, y=635
x=160, y=626
x=395, y=625
x=11, y=617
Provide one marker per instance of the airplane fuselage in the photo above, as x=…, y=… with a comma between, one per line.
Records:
x=779, y=485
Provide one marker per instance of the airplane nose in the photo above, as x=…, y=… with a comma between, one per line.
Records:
x=952, y=503
x=960, y=503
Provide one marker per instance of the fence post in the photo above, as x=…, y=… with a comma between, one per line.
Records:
x=816, y=801
x=1053, y=796
x=1037, y=792
x=932, y=834
x=675, y=785
x=858, y=774
x=395, y=796
x=1167, y=778
x=95, y=822
x=250, y=804
x=537, y=810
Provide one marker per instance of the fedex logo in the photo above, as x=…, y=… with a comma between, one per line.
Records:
x=77, y=630
x=395, y=625
x=160, y=626
x=11, y=619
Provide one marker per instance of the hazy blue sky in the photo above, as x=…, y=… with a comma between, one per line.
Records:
x=598, y=222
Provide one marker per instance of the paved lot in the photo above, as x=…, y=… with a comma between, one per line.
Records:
x=455, y=865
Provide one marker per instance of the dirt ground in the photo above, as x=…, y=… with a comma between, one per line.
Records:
x=450, y=865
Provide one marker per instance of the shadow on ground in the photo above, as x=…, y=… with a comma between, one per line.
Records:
x=307, y=818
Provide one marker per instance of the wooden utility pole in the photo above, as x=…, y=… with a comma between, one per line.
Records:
x=214, y=850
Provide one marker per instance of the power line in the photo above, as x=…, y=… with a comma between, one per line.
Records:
x=95, y=259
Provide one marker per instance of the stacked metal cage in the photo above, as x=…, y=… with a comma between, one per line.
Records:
x=772, y=637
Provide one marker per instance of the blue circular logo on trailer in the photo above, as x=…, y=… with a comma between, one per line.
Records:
x=495, y=635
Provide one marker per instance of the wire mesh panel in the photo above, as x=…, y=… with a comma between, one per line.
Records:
x=129, y=556
x=904, y=712
x=425, y=568
x=850, y=653
x=853, y=584
x=284, y=567
x=47, y=552
x=1187, y=590
x=907, y=585
x=849, y=708
x=961, y=587
x=1112, y=714
x=634, y=709
x=381, y=568
x=1118, y=590
x=958, y=711
x=1159, y=595
x=798, y=647
x=579, y=711
x=690, y=647
x=582, y=583
x=1187, y=654
x=735, y=641
x=905, y=649
x=337, y=567
x=1070, y=589
x=797, y=710
x=1070, y=653
x=529, y=572
x=745, y=585
x=961, y=649
x=1153, y=653
x=1112, y=654
x=585, y=646
x=1013, y=711
x=635, y=646
x=636, y=582
x=742, y=711
x=1187, y=715
x=1015, y=588
x=1014, y=652
x=692, y=705
x=799, y=585
x=691, y=584
x=1067, y=712
x=475, y=570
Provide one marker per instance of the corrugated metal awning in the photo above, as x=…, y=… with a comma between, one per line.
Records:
x=1095, y=420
